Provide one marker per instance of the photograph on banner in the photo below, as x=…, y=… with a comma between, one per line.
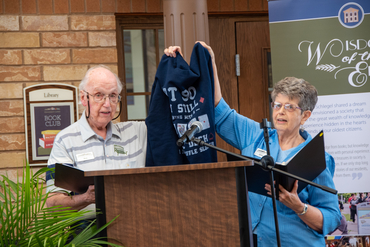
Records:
x=328, y=44
x=355, y=210
x=47, y=120
x=348, y=241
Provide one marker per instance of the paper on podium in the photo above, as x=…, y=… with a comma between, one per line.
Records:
x=72, y=178
x=308, y=163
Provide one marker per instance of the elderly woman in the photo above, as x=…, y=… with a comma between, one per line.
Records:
x=304, y=218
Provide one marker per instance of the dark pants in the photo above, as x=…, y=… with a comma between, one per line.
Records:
x=353, y=213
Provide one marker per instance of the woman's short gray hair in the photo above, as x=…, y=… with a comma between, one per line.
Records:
x=299, y=89
x=86, y=78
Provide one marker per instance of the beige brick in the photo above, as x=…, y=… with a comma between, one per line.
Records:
x=45, y=23
x=13, y=40
x=12, y=125
x=23, y=73
x=94, y=22
x=113, y=68
x=76, y=84
x=12, y=159
x=11, y=108
x=102, y=39
x=10, y=57
x=64, y=73
x=15, y=174
x=47, y=56
x=9, y=23
x=12, y=142
x=27, y=84
x=100, y=55
x=64, y=39
x=11, y=90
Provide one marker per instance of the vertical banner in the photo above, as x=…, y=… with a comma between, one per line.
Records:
x=328, y=44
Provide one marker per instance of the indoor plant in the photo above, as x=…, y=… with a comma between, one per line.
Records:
x=26, y=221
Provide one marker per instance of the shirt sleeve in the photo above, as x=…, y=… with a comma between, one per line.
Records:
x=235, y=129
x=326, y=202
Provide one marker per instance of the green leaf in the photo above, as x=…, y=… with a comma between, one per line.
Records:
x=26, y=221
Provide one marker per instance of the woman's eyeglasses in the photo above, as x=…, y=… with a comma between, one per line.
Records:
x=288, y=107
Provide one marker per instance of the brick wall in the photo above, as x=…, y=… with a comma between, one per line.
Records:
x=46, y=41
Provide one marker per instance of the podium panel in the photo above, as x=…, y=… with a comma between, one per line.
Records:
x=188, y=205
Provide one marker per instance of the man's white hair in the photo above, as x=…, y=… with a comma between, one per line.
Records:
x=86, y=78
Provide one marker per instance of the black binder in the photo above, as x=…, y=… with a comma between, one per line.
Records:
x=308, y=163
x=72, y=178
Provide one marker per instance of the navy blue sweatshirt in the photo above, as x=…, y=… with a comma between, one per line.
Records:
x=181, y=94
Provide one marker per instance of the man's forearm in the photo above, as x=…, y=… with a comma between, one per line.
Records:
x=76, y=202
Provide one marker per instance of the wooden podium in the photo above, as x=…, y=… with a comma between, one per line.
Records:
x=183, y=205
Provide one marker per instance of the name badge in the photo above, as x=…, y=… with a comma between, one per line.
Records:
x=85, y=156
x=260, y=152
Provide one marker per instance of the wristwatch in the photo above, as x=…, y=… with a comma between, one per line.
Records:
x=304, y=209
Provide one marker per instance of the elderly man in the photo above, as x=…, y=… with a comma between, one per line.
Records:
x=94, y=142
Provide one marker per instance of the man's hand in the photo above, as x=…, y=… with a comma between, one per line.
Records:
x=90, y=194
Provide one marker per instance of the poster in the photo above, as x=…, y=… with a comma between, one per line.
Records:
x=327, y=43
x=46, y=122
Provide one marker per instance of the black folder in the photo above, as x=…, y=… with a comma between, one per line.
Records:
x=72, y=178
x=308, y=163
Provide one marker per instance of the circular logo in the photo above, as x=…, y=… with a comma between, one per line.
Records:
x=351, y=15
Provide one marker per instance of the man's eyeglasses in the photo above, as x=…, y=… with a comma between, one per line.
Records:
x=288, y=107
x=99, y=97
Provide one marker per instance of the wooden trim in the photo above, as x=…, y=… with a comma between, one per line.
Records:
x=121, y=70
x=142, y=93
x=231, y=14
x=225, y=14
x=177, y=168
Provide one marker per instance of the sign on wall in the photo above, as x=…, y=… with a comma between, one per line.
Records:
x=49, y=108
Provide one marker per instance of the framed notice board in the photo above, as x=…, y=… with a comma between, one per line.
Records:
x=48, y=108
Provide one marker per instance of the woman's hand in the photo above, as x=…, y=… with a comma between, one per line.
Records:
x=289, y=199
x=218, y=94
x=171, y=51
x=313, y=217
x=208, y=48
